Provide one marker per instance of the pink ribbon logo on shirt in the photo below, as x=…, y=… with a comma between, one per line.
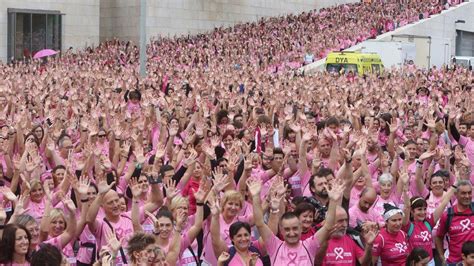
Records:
x=425, y=235
x=401, y=247
x=465, y=224
x=339, y=253
x=292, y=256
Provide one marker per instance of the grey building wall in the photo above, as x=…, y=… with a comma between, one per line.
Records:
x=120, y=18
x=80, y=20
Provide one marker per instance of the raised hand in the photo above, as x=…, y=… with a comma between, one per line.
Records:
x=275, y=200
x=69, y=205
x=19, y=207
x=8, y=194
x=170, y=189
x=191, y=158
x=369, y=234
x=3, y=213
x=223, y=257
x=255, y=186
x=138, y=151
x=215, y=207
x=336, y=191
x=393, y=126
x=135, y=188
x=181, y=219
x=160, y=151
x=102, y=185
x=253, y=258
x=426, y=155
x=201, y=193
x=112, y=242
x=220, y=180
x=215, y=141
x=83, y=185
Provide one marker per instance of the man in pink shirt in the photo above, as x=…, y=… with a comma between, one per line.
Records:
x=114, y=220
x=292, y=251
x=363, y=211
x=342, y=249
x=460, y=228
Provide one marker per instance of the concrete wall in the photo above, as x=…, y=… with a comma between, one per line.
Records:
x=80, y=21
x=178, y=17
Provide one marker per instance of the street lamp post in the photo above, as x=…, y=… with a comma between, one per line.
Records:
x=142, y=38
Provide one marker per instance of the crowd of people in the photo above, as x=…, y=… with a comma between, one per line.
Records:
x=218, y=157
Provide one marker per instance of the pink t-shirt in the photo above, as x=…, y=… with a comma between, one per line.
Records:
x=237, y=260
x=342, y=251
x=123, y=229
x=378, y=206
x=461, y=230
x=87, y=240
x=209, y=256
x=302, y=255
x=67, y=250
x=421, y=235
x=391, y=248
x=356, y=215
x=468, y=145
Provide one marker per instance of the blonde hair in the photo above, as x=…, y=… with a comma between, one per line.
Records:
x=34, y=183
x=233, y=195
x=177, y=201
x=56, y=212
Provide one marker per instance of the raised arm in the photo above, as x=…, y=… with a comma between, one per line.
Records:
x=218, y=245
x=95, y=205
x=70, y=232
x=200, y=197
x=335, y=199
x=136, y=192
x=440, y=209
x=302, y=161
x=255, y=186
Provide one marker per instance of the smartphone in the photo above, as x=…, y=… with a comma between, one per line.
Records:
x=48, y=121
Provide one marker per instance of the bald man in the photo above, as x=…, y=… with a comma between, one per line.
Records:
x=363, y=211
x=341, y=249
x=115, y=219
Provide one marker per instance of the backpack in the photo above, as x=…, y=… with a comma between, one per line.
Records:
x=412, y=227
x=233, y=251
x=451, y=214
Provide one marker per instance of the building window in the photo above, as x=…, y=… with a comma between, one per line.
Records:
x=30, y=31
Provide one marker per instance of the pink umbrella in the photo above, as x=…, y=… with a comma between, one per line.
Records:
x=44, y=53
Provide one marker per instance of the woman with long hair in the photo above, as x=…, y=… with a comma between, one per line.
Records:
x=15, y=245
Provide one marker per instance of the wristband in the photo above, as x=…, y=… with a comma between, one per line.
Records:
x=117, y=139
x=84, y=130
x=454, y=186
x=199, y=203
x=275, y=211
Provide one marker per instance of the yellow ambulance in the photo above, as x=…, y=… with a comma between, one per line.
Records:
x=358, y=63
